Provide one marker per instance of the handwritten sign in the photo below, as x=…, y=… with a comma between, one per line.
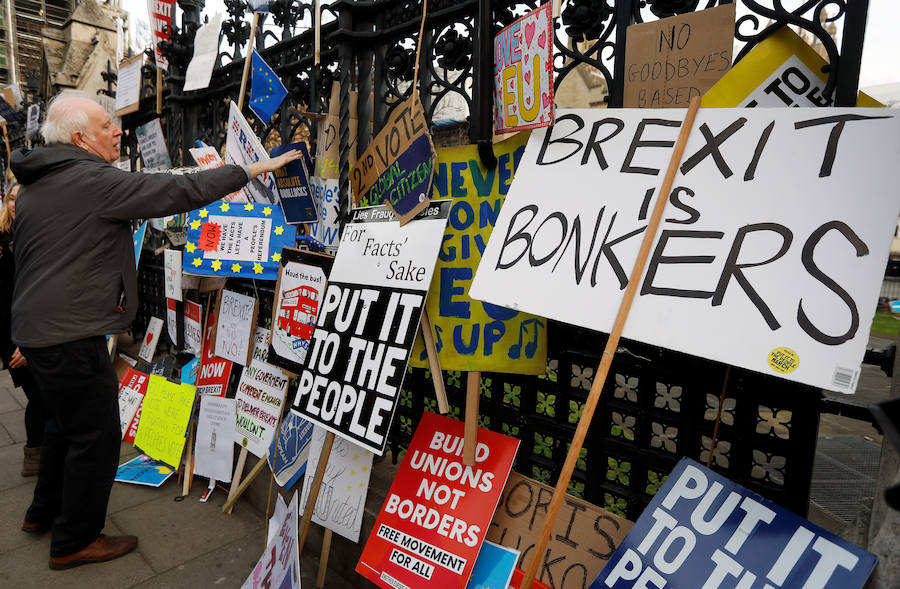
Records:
x=469, y=334
x=294, y=191
x=298, y=295
x=208, y=159
x=243, y=240
x=132, y=388
x=161, y=13
x=214, y=371
x=437, y=511
x=206, y=50
x=523, y=73
x=279, y=565
x=153, y=146
x=128, y=85
x=367, y=323
x=328, y=144
x=214, y=445
x=151, y=339
x=342, y=496
x=584, y=536
x=786, y=260
x=397, y=167
x=235, y=322
x=703, y=528
x=260, y=396
x=290, y=451
x=192, y=327
x=670, y=61
x=243, y=148
x=172, y=274
x=164, y=419
x=327, y=232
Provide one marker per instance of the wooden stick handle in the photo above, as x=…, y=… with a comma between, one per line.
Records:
x=236, y=478
x=318, y=39
x=612, y=344
x=245, y=484
x=188, y=462
x=434, y=362
x=473, y=396
x=247, y=61
x=323, y=559
x=159, y=90
x=314, y=490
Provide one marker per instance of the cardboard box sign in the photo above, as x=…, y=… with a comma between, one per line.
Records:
x=758, y=237
x=437, y=512
x=702, y=530
x=670, y=61
x=584, y=535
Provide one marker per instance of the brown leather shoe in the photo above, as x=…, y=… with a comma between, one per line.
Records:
x=35, y=527
x=102, y=549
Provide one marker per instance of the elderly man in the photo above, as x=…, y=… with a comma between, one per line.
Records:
x=76, y=282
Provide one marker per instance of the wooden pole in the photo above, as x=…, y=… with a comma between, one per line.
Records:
x=434, y=362
x=189, y=462
x=232, y=498
x=318, y=41
x=323, y=559
x=715, y=436
x=236, y=480
x=559, y=493
x=247, y=61
x=314, y=490
x=473, y=396
x=159, y=89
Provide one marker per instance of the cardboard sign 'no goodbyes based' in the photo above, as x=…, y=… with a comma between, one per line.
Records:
x=398, y=166
x=670, y=61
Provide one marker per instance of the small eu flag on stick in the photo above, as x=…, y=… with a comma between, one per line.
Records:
x=266, y=90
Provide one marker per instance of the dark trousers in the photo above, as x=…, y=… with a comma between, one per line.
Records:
x=80, y=452
x=35, y=416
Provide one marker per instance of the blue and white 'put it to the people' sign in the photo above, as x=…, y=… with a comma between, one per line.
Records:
x=237, y=239
x=702, y=531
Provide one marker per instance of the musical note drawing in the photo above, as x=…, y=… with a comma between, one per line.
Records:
x=515, y=351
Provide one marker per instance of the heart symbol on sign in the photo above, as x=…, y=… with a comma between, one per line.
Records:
x=529, y=34
x=545, y=99
x=542, y=40
x=149, y=338
x=527, y=77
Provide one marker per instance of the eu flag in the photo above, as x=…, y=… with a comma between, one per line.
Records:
x=266, y=90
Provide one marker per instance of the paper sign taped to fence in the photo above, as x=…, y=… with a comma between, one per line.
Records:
x=172, y=274
x=243, y=148
x=260, y=395
x=128, y=85
x=437, y=511
x=342, y=495
x=214, y=447
x=367, y=323
x=782, y=70
x=701, y=526
x=290, y=450
x=153, y=146
x=214, y=371
x=235, y=323
x=397, y=167
x=584, y=535
x=759, y=237
x=164, y=419
x=469, y=334
x=298, y=294
x=206, y=51
x=672, y=60
x=523, y=73
x=132, y=388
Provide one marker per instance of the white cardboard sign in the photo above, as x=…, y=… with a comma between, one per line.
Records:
x=214, y=448
x=151, y=339
x=243, y=148
x=772, y=247
x=206, y=50
x=172, y=274
x=234, y=326
x=260, y=395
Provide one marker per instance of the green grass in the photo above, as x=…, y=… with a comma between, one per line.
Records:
x=885, y=324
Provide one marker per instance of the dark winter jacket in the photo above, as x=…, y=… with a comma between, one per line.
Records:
x=75, y=271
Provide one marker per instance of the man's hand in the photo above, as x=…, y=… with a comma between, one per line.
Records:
x=17, y=360
x=274, y=163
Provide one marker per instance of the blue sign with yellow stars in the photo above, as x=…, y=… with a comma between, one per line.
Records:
x=266, y=90
x=240, y=239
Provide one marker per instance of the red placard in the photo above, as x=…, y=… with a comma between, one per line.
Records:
x=137, y=382
x=161, y=12
x=214, y=371
x=431, y=526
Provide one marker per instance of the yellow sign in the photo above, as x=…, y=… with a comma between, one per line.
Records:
x=470, y=334
x=164, y=419
x=782, y=70
x=783, y=360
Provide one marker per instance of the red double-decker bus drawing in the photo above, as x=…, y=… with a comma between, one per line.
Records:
x=297, y=314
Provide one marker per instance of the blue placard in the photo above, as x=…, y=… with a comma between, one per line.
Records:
x=189, y=371
x=494, y=567
x=138, y=239
x=292, y=448
x=144, y=470
x=293, y=186
x=240, y=239
x=702, y=531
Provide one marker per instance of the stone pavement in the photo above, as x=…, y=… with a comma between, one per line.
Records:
x=180, y=544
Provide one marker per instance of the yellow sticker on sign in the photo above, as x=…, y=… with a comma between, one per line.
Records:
x=783, y=360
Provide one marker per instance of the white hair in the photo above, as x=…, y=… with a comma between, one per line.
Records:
x=65, y=116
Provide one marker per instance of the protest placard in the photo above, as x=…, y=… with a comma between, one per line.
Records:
x=189, y=371
x=151, y=339
x=208, y=159
x=192, y=328
x=152, y=143
x=214, y=371
x=671, y=60
x=294, y=191
x=494, y=566
x=781, y=70
x=279, y=565
x=206, y=50
x=786, y=260
x=328, y=144
x=172, y=274
x=523, y=73
x=243, y=148
x=342, y=496
x=584, y=535
x=367, y=323
x=138, y=240
x=290, y=450
x=397, y=167
x=469, y=334
x=260, y=395
x=161, y=13
x=165, y=414
x=132, y=388
x=143, y=470
x=214, y=446
x=298, y=294
x=701, y=529
x=243, y=240
x=128, y=85
x=327, y=231
x=437, y=511
x=235, y=323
